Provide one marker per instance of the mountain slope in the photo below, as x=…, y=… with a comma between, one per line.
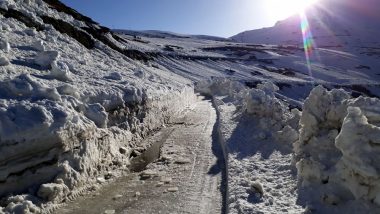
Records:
x=285, y=65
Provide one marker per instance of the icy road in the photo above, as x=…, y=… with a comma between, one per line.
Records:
x=187, y=178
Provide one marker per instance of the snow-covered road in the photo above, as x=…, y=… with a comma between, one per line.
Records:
x=186, y=179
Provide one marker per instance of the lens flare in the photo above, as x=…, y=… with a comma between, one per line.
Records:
x=308, y=43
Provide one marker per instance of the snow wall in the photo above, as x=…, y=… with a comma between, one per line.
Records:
x=55, y=143
x=338, y=153
x=335, y=141
x=75, y=105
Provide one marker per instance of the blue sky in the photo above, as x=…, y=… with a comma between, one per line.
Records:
x=209, y=17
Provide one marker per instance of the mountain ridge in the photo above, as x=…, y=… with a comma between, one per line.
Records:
x=332, y=23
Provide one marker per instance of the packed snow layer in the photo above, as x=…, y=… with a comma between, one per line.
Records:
x=337, y=152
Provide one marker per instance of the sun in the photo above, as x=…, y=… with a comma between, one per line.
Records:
x=281, y=9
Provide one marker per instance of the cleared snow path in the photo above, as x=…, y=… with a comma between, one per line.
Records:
x=186, y=179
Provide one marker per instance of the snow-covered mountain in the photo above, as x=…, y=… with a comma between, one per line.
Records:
x=198, y=59
x=333, y=23
x=167, y=34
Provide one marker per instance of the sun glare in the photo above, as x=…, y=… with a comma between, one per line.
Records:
x=281, y=9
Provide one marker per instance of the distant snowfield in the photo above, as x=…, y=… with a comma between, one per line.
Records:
x=76, y=101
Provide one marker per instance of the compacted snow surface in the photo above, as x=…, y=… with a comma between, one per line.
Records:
x=78, y=101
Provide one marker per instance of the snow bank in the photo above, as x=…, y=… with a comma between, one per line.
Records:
x=257, y=131
x=260, y=102
x=358, y=141
x=337, y=153
x=58, y=141
x=69, y=114
x=335, y=142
